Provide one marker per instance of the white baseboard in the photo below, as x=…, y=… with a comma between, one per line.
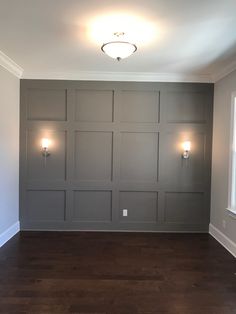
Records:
x=216, y=233
x=9, y=233
x=223, y=239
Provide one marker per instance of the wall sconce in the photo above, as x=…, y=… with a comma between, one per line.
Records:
x=45, y=147
x=187, y=148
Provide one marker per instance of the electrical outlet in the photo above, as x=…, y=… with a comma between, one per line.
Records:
x=224, y=224
x=125, y=212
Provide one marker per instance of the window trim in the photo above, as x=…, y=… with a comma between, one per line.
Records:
x=232, y=162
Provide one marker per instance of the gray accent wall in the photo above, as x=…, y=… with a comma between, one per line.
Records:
x=115, y=146
x=220, y=217
x=9, y=157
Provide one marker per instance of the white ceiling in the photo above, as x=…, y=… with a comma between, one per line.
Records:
x=178, y=39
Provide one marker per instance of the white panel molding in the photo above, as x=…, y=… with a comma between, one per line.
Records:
x=120, y=76
x=223, y=239
x=10, y=65
x=9, y=233
x=224, y=71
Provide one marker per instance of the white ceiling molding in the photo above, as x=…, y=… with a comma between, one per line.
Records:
x=121, y=76
x=224, y=71
x=10, y=65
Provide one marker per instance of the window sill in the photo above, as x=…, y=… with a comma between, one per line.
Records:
x=232, y=213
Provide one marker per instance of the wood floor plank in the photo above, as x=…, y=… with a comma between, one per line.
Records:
x=116, y=273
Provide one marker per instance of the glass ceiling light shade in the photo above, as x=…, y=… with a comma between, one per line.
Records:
x=118, y=49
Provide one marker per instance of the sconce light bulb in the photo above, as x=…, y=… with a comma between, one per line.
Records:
x=45, y=146
x=187, y=148
x=45, y=143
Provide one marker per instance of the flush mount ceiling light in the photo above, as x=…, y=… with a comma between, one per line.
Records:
x=119, y=49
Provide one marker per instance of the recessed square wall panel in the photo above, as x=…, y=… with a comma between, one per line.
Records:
x=139, y=156
x=93, y=156
x=139, y=107
x=186, y=107
x=46, y=205
x=140, y=206
x=51, y=168
x=92, y=206
x=179, y=171
x=94, y=106
x=47, y=104
x=184, y=208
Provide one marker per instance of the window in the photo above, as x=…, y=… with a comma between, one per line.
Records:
x=232, y=168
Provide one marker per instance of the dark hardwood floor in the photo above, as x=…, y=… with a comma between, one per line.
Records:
x=59, y=272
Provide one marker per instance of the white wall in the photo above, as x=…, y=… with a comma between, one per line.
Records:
x=220, y=163
x=9, y=154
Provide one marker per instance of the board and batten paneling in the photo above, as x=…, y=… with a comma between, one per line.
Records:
x=115, y=146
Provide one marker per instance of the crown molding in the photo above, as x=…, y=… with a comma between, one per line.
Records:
x=18, y=71
x=120, y=76
x=224, y=71
x=10, y=65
